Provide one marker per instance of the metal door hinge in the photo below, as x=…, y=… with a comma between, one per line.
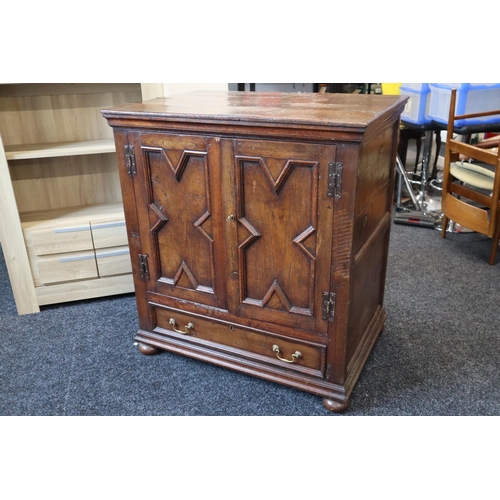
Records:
x=335, y=179
x=329, y=306
x=130, y=159
x=143, y=266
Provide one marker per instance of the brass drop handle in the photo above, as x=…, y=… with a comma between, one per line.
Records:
x=296, y=355
x=188, y=327
x=230, y=218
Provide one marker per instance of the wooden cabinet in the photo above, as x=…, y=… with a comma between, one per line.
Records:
x=258, y=227
x=63, y=229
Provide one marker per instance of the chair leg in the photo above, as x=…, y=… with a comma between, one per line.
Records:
x=494, y=244
x=438, y=148
x=444, y=227
x=419, y=146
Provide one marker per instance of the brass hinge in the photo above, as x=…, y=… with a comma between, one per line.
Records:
x=334, y=179
x=143, y=266
x=130, y=159
x=328, y=306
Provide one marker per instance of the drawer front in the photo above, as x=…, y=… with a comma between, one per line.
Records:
x=113, y=261
x=61, y=239
x=109, y=233
x=234, y=339
x=66, y=267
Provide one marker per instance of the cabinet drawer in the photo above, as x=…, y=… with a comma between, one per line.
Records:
x=62, y=239
x=112, y=261
x=66, y=267
x=258, y=345
x=109, y=233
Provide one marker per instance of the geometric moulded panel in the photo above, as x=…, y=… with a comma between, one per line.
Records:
x=179, y=177
x=277, y=216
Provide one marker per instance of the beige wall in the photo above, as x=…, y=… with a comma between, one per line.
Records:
x=152, y=90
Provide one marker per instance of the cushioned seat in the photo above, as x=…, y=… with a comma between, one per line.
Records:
x=477, y=175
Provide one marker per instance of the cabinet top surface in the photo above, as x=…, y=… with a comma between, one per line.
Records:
x=292, y=108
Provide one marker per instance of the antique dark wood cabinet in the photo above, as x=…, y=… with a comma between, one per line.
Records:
x=258, y=226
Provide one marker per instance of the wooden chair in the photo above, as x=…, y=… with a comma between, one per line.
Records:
x=464, y=184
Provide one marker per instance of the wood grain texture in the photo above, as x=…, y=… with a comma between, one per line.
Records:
x=243, y=341
x=113, y=261
x=66, y=238
x=278, y=253
x=57, y=89
x=173, y=172
x=84, y=289
x=109, y=232
x=53, y=183
x=58, y=268
x=61, y=244
x=152, y=91
x=54, y=118
x=335, y=111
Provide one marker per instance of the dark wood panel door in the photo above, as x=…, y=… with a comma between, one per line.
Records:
x=180, y=216
x=278, y=230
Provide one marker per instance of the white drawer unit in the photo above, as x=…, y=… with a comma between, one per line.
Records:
x=84, y=248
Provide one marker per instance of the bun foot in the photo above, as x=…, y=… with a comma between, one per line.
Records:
x=147, y=349
x=336, y=406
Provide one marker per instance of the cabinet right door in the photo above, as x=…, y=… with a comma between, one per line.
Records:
x=278, y=230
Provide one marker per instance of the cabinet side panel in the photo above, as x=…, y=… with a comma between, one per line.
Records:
x=371, y=235
x=366, y=301
x=374, y=170
x=12, y=241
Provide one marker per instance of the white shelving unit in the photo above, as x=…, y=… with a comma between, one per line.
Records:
x=62, y=229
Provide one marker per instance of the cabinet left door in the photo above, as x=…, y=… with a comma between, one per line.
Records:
x=179, y=216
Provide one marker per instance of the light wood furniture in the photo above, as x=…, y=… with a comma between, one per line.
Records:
x=258, y=227
x=62, y=230
x=462, y=201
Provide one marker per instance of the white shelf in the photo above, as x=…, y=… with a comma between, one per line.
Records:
x=79, y=213
x=53, y=149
